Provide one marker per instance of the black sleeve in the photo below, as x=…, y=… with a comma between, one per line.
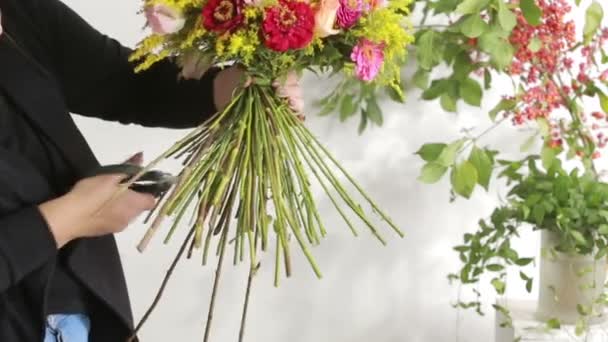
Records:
x=26, y=243
x=99, y=81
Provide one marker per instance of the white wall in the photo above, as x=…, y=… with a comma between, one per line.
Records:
x=369, y=293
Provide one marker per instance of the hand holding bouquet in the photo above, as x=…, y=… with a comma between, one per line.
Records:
x=253, y=161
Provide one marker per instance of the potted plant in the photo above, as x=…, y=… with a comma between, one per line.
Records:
x=570, y=209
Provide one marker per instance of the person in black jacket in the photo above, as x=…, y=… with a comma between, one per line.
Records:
x=57, y=252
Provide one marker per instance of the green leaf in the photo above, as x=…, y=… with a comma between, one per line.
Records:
x=495, y=267
x=432, y=173
x=583, y=310
x=347, y=107
x=509, y=253
x=499, y=285
x=471, y=92
x=473, y=26
x=529, y=143
x=446, y=6
x=472, y=6
x=463, y=66
x=593, y=20
x=526, y=212
x=527, y=279
x=373, y=112
x=462, y=248
x=603, y=101
x=487, y=79
x=548, y=155
x=464, y=178
x=535, y=44
x=524, y=262
x=448, y=155
x=495, y=43
x=543, y=126
x=531, y=12
x=506, y=18
x=448, y=103
x=601, y=253
x=421, y=78
x=581, y=326
x=363, y=122
x=603, y=229
x=538, y=213
x=501, y=309
x=554, y=323
x=430, y=49
x=430, y=152
x=450, y=52
x=483, y=163
x=395, y=92
x=437, y=88
x=580, y=239
x=503, y=105
x=328, y=105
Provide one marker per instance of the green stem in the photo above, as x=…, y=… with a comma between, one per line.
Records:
x=252, y=271
x=277, y=263
x=218, y=273
x=275, y=188
x=577, y=123
x=306, y=147
x=292, y=147
x=311, y=138
x=161, y=290
x=278, y=191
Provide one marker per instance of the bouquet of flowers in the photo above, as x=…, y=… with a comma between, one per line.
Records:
x=253, y=161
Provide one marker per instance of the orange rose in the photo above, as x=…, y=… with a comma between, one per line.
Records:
x=325, y=18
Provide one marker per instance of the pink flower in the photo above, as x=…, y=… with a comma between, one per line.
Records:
x=349, y=13
x=325, y=18
x=0, y=23
x=164, y=19
x=368, y=57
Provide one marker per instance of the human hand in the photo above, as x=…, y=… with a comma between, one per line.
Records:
x=93, y=208
x=291, y=91
x=224, y=85
x=229, y=79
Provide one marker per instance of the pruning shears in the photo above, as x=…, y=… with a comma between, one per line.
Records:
x=152, y=182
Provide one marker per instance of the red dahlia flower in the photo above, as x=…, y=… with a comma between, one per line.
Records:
x=222, y=15
x=289, y=25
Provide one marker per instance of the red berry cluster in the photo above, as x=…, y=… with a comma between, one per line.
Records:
x=553, y=38
x=544, y=63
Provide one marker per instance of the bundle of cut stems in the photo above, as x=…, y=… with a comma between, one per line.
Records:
x=247, y=173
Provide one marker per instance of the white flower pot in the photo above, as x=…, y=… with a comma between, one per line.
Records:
x=564, y=284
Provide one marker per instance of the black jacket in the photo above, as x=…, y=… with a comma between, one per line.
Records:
x=63, y=65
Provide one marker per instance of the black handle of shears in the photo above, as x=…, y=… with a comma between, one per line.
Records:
x=152, y=182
